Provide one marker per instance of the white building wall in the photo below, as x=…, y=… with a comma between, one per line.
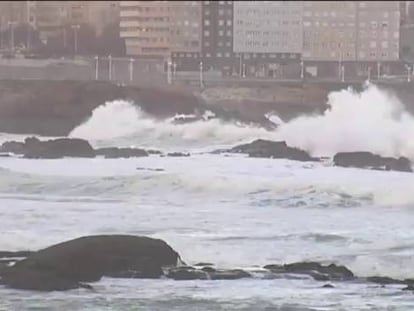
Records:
x=267, y=26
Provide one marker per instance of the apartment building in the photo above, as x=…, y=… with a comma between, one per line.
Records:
x=267, y=34
x=217, y=34
x=186, y=34
x=378, y=24
x=146, y=27
x=329, y=30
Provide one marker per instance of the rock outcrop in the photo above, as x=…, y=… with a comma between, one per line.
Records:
x=114, y=152
x=70, y=264
x=316, y=270
x=272, y=149
x=372, y=161
x=33, y=148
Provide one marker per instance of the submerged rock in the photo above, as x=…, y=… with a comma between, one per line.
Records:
x=186, y=273
x=314, y=269
x=384, y=280
x=272, y=149
x=178, y=154
x=114, y=152
x=67, y=265
x=372, y=161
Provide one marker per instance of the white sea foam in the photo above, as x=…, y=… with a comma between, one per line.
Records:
x=372, y=120
x=120, y=122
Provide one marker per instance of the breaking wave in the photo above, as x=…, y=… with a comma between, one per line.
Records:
x=123, y=123
x=371, y=120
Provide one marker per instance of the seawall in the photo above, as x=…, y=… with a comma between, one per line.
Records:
x=54, y=108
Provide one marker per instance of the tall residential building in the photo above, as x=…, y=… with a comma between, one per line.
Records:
x=217, y=34
x=351, y=30
x=378, y=24
x=146, y=27
x=329, y=30
x=186, y=30
x=267, y=27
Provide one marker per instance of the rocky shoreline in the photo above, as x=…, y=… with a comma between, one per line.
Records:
x=79, y=262
x=34, y=148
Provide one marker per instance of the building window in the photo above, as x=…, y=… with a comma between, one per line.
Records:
x=206, y=33
x=207, y=22
x=229, y=34
x=373, y=44
x=227, y=54
x=221, y=22
x=384, y=44
x=229, y=23
x=219, y=55
x=221, y=33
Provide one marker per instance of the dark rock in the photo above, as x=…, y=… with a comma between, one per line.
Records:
x=208, y=269
x=371, y=161
x=229, y=274
x=113, y=152
x=151, y=151
x=6, y=254
x=87, y=259
x=401, y=164
x=328, y=286
x=320, y=276
x=13, y=147
x=178, y=154
x=315, y=270
x=57, y=148
x=186, y=273
x=409, y=287
x=383, y=280
x=272, y=149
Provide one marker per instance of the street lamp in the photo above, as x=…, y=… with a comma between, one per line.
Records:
x=131, y=69
x=379, y=70
x=76, y=28
x=110, y=67
x=169, y=64
x=408, y=72
x=96, y=67
x=174, y=69
x=201, y=75
x=302, y=71
x=369, y=73
x=240, y=64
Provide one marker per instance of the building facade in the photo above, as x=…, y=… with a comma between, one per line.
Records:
x=217, y=34
x=329, y=30
x=378, y=24
x=146, y=27
x=186, y=34
x=268, y=36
